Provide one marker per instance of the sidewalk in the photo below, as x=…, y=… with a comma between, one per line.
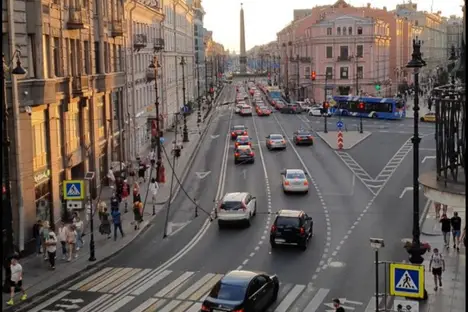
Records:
x=451, y=297
x=39, y=279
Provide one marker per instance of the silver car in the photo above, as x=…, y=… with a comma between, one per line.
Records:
x=295, y=180
x=275, y=141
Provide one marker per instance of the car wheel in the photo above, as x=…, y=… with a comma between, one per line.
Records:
x=220, y=224
x=247, y=222
x=255, y=210
x=275, y=294
x=303, y=246
x=235, y=162
x=253, y=161
x=306, y=192
x=273, y=245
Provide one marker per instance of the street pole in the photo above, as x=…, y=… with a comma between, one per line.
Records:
x=171, y=189
x=185, y=137
x=89, y=176
x=198, y=92
x=377, y=297
x=206, y=79
x=298, y=78
x=325, y=126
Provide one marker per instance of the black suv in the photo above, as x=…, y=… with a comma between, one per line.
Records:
x=291, y=227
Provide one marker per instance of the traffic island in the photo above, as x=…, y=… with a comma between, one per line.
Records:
x=348, y=139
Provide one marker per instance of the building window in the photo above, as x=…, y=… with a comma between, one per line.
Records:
x=43, y=200
x=359, y=50
x=344, y=52
x=57, y=53
x=329, y=52
x=96, y=57
x=350, y=31
x=338, y=31
x=343, y=72
x=58, y=128
x=329, y=31
x=87, y=60
x=73, y=131
x=360, y=72
x=32, y=61
x=344, y=31
x=359, y=30
x=48, y=57
x=39, y=140
x=101, y=116
x=307, y=72
x=106, y=57
x=74, y=57
x=329, y=72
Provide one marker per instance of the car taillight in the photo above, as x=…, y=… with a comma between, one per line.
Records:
x=233, y=133
x=284, y=142
x=236, y=155
x=302, y=231
x=252, y=154
x=245, y=132
x=204, y=308
x=237, y=144
x=306, y=183
x=273, y=228
x=239, y=310
x=250, y=143
x=311, y=137
x=286, y=182
x=298, y=138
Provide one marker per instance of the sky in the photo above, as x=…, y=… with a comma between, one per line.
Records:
x=264, y=18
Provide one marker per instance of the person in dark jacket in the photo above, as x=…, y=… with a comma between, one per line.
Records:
x=446, y=229
x=117, y=220
x=37, y=236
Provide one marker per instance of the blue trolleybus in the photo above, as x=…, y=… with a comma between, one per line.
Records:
x=374, y=107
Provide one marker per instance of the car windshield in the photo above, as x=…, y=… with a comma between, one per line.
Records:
x=231, y=205
x=276, y=137
x=303, y=133
x=295, y=175
x=243, y=150
x=238, y=128
x=243, y=138
x=287, y=221
x=228, y=292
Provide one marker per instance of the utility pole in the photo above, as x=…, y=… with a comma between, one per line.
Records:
x=198, y=90
x=185, y=137
x=206, y=78
x=298, y=77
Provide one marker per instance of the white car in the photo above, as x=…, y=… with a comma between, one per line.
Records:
x=294, y=180
x=237, y=207
x=315, y=111
x=246, y=110
x=238, y=108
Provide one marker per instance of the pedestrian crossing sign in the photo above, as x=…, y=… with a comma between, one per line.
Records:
x=407, y=280
x=73, y=190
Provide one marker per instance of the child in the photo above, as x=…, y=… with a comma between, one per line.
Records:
x=16, y=280
x=437, y=265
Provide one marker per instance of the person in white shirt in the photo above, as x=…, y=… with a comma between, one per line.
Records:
x=62, y=237
x=437, y=264
x=111, y=177
x=154, y=188
x=79, y=227
x=51, y=247
x=16, y=280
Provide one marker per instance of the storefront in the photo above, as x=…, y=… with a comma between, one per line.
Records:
x=43, y=196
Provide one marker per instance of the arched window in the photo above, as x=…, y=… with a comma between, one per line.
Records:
x=350, y=30
x=344, y=31
x=338, y=31
x=359, y=30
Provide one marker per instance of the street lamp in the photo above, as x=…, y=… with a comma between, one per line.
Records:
x=185, y=137
x=152, y=74
x=89, y=176
x=199, y=119
x=416, y=250
x=7, y=224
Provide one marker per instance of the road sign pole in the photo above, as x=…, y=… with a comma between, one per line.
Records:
x=92, y=247
x=377, y=296
x=360, y=124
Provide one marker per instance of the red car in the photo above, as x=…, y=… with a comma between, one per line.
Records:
x=238, y=130
x=263, y=111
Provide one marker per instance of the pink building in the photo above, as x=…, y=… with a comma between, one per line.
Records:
x=375, y=52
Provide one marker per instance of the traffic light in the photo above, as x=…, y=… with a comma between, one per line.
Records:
x=326, y=105
x=313, y=75
x=377, y=87
x=361, y=106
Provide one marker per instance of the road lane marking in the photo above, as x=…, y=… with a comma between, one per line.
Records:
x=145, y=305
x=149, y=282
x=314, y=304
x=289, y=299
x=41, y=306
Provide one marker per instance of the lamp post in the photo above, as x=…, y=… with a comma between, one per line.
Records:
x=7, y=209
x=416, y=250
x=199, y=120
x=152, y=74
x=185, y=137
x=89, y=176
x=452, y=59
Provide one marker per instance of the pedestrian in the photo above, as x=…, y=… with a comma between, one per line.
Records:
x=337, y=305
x=138, y=214
x=437, y=209
x=51, y=247
x=141, y=171
x=136, y=192
x=111, y=177
x=446, y=229
x=117, y=220
x=154, y=188
x=37, y=236
x=44, y=232
x=125, y=193
x=16, y=280
x=79, y=227
x=437, y=265
x=71, y=241
x=62, y=236
x=463, y=236
x=105, y=228
x=102, y=206
x=456, y=228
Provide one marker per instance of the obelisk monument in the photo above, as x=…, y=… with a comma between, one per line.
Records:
x=243, y=56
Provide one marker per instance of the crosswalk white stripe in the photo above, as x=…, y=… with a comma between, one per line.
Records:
x=196, y=307
x=95, y=303
x=149, y=283
x=292, y=295
x=171, y=305
x=371, y=305
x=195, y=286
x=109, y=280
x=130, y=287
x=174, y=284
x=314, y=304
x=123, y=301
x=90, y=278
x=130, y=281
x=50, y=301
x=145, y=305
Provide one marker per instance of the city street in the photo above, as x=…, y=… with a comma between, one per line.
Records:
x=347, y=207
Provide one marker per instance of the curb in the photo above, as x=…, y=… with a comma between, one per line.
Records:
x=368, y=134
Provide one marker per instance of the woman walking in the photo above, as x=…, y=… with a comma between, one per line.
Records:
x=136, y=192
x=71, y=241
x=79, y=226
x=44, y=233
x=51, y=247
x=105, y=227
x=138, y=214
x=62, y=236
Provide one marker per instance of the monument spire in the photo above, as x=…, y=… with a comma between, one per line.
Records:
x=243, y=56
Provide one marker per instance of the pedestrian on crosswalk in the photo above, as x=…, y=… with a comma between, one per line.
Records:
x=337, y=305
x=16, y=280
x=437, y=265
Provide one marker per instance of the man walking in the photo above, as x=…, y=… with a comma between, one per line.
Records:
x=437, y=265
x=456, y=230
x=337, y=305
x=446, y=226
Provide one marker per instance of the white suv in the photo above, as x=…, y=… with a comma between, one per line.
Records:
x=237, y=207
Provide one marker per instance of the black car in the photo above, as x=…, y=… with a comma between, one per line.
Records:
x=291, y=227
x=302, y=137
x=244, y=154
x=242, y=291
x=290, y=109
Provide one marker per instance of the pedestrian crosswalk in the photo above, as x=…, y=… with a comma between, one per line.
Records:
x=118, y=289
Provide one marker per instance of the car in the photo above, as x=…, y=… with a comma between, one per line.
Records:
x=303, y=137
x=238, y=207
x=428, y=117
x=293, y=227
x=294, y=181
x=275, y=141
x=246, y=110
x=244, y=154
x=243, y=140
x=279, y=105
x=290, y=109
x=238, y=130
x=242, y=291
x=263, y=111
x=318, y=112
x=238, y=108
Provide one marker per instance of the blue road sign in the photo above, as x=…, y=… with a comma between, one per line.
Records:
x=73, y=190
x=185, y=109
x=162, y=139
x=339, y=124
x=407, y=280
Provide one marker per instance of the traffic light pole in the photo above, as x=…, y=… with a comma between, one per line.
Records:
x=360, y=124
x=325, y=126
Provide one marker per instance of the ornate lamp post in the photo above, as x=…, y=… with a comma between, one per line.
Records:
x=185, y=137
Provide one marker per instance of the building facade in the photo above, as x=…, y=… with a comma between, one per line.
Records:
x=70, y=102
x=199, y=48
x=143, y=24
x=455, y=31
x=178, y=37
x=215, y=59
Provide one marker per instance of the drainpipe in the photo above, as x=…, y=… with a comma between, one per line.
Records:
x=15, y=116
x=132, y=145
x=162, y=83
x=175, y=57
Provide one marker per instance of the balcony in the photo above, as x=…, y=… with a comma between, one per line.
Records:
x=140, y=41
x=158, y=44
x=117, y=28
x=344, y=58
x=305, y=59
x=78, y=19
x=80, y=85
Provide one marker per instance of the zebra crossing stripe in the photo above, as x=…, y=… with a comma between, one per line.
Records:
x=145, y=305
x=195, y=308
x=314, y=304
x=98, y=280
x=195, y=286
x=131, y=280
x=119, y=280
x=90, y=278
x=50, y=301
x=171, y=305
x=181, y=280
x=288, y=301
x=184, y=306
x=111, y=279
x=148, y=283
x=96, y=302
x=119, y=304
x=206, y=287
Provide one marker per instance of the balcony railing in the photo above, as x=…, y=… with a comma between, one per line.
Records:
x=78, y=19
x=344, y=58
x=158, y=44
x=305, y=59
x=80, y=84
x=117, y=28
x=140, y=41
